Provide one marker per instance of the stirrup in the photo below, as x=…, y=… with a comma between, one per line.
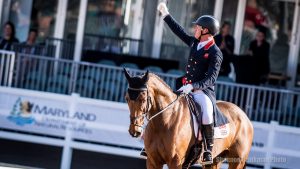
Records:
x=207, y=158
x=143, y=154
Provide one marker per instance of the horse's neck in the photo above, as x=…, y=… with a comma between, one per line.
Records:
x=164, y=96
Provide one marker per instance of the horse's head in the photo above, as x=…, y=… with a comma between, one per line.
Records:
x=138, y=100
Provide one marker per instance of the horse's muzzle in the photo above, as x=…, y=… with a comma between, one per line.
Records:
x=135, y=131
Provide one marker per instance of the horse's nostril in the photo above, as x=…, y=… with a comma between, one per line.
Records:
x=131, y=133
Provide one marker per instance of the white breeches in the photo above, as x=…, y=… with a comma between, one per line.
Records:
x=206, y=105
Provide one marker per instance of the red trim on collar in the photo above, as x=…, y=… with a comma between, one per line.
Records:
x=209, y=44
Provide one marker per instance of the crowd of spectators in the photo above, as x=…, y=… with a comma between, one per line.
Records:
x=8, y=39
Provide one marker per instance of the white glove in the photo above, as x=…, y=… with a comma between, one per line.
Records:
x=186, y=89
x=163, y=9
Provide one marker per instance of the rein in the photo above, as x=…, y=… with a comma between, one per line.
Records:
x=160, y=112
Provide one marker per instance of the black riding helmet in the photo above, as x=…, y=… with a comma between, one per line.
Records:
x=209, y=22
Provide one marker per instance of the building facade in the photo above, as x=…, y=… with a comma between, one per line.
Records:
x=99, y=24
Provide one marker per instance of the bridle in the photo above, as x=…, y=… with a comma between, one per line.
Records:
x=145, y=114
x=134, y=120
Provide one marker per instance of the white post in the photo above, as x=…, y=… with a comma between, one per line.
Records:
x=60, y=24
x=80, y=29
x=11, y=58
x=294, y=47
x=157, y=37
x=67, y=149
x=271, y=137
x=61, y=19
x=1, y=10
x=137, y=21
x=239, y=23
x=218, y=9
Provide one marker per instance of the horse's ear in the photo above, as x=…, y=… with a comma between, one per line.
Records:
x=127, y=75
x=146, y=76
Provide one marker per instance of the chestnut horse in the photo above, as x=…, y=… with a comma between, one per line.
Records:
x=169, y=133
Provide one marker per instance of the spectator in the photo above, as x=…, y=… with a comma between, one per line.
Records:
x=259, y=50
x=226, y=43
x=8, y=36
x=28, y=45
x=32, y=36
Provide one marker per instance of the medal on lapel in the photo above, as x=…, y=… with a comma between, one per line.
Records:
x=206, y=55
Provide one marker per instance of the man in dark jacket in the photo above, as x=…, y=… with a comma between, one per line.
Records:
x=203, y=67
x=259, y=49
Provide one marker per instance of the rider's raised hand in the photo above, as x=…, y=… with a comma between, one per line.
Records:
x=163, y=9
x=186, y=88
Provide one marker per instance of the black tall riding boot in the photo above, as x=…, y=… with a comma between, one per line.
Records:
x=208, y=132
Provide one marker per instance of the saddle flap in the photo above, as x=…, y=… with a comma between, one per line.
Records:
x=196, y=113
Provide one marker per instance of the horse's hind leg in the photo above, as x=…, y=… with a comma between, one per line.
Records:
x=215, y=165
x=237, y=165
x=237, y=159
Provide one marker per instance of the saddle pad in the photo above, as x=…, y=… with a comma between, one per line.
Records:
x=219, y=132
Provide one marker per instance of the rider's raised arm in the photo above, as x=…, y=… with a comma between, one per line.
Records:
x=178, y=30
x=174, y=26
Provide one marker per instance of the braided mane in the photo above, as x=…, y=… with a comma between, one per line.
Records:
x=160, y=80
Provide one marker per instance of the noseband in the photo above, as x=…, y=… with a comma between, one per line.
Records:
x=146, y=113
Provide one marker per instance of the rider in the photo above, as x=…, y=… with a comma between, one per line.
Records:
x=202, y=70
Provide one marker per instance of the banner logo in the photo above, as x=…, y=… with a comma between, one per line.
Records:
x=21, y=113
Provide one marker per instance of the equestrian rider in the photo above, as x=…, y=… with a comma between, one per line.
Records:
x=202, y=70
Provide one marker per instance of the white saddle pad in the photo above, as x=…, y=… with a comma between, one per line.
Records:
x=220, y=132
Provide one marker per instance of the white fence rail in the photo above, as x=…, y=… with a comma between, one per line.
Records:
x=106, y=82
x=72, y=122
x=7, y=61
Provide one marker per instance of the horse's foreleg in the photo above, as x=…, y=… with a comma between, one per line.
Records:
x=152, y=165
x=175, y=166
x=175, y=163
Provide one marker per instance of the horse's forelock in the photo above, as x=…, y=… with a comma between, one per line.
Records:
x=137, y=82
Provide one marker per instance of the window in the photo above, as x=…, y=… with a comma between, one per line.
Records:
x=20, y=12
x=108, y=24
x=229, y=13
x=43, y=15
x=275, y=17
x=71, y=19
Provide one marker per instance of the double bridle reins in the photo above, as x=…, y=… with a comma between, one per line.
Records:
x=146, y=113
